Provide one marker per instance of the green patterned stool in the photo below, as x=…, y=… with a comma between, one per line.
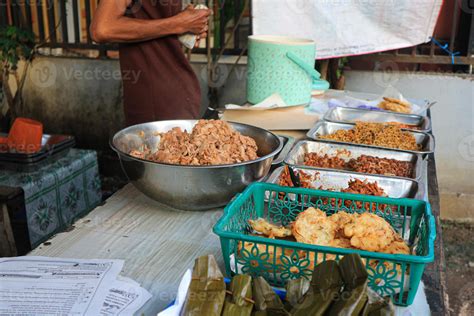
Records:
x=56, y=194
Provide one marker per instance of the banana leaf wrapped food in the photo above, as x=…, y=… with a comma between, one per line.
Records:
x=207, y=290
x=352, y=300
x=377, y=305
x=239, y=302
x=267, y=302
x=295, y=291
x=326, y=284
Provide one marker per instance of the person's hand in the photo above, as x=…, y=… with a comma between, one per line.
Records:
x=199, y=38
x=194, y=21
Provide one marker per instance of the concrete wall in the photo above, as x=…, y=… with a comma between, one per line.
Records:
x=83, y=97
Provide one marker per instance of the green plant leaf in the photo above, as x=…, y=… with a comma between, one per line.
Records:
x=15, y=43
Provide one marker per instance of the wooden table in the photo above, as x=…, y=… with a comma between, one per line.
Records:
x=158, y=244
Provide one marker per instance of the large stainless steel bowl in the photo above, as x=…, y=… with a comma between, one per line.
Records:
x=191, y=187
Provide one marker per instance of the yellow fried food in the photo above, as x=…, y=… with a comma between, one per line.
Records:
x=370, y=232
x=397, y=247
x=262, y=226
x=341, y=243
x=342, y=218
x=313, y=227
x=395, y=105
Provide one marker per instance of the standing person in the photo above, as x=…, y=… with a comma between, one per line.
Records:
x=164, y=85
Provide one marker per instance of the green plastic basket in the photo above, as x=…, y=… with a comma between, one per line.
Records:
x=278, y=261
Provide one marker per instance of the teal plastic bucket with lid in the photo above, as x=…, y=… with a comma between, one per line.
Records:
x=283, y=65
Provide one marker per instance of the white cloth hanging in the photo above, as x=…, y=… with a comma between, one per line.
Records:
x=348, y=27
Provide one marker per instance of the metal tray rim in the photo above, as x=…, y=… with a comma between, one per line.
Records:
x=418, y=164
x=425, y=127
x=288, y=143
x=419, y=195
x=431, y=141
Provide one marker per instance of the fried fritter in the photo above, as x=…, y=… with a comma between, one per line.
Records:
x=370, y=232
x=395, y=105
x=397, y=247
x=342, y=219
x=342, y=243
x=262, y=226
x=314, y=227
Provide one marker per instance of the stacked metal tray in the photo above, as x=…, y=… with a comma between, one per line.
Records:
x=334, y=180
x=51, y=146
x=345, y=118
x=347, y=152
x=288, y=143
x=353, y=115
x=324, y=128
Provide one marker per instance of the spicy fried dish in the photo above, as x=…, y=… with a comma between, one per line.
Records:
x=363, y=164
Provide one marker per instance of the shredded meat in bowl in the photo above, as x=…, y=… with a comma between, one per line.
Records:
x=211, y=142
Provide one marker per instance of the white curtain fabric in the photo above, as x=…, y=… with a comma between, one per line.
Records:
x=348, y=27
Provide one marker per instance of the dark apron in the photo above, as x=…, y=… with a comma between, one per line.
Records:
x=158, y=81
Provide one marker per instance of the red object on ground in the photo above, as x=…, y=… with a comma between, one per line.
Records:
x=25, y=136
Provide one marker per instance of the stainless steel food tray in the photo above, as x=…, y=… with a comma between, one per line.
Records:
x=352, y=115
x=347, y=152
x=325, y=128
x=337, y=180
x=288, y=143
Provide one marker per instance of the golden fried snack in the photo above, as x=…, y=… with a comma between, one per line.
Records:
x=397, y=247
x=313, y=227
x=342, y=218
x=395, y=105
x=370, y=232
x=341, y=243
x=262, y=226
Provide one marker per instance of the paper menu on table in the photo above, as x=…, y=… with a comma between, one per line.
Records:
x=51, y=286
x=125, y=297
